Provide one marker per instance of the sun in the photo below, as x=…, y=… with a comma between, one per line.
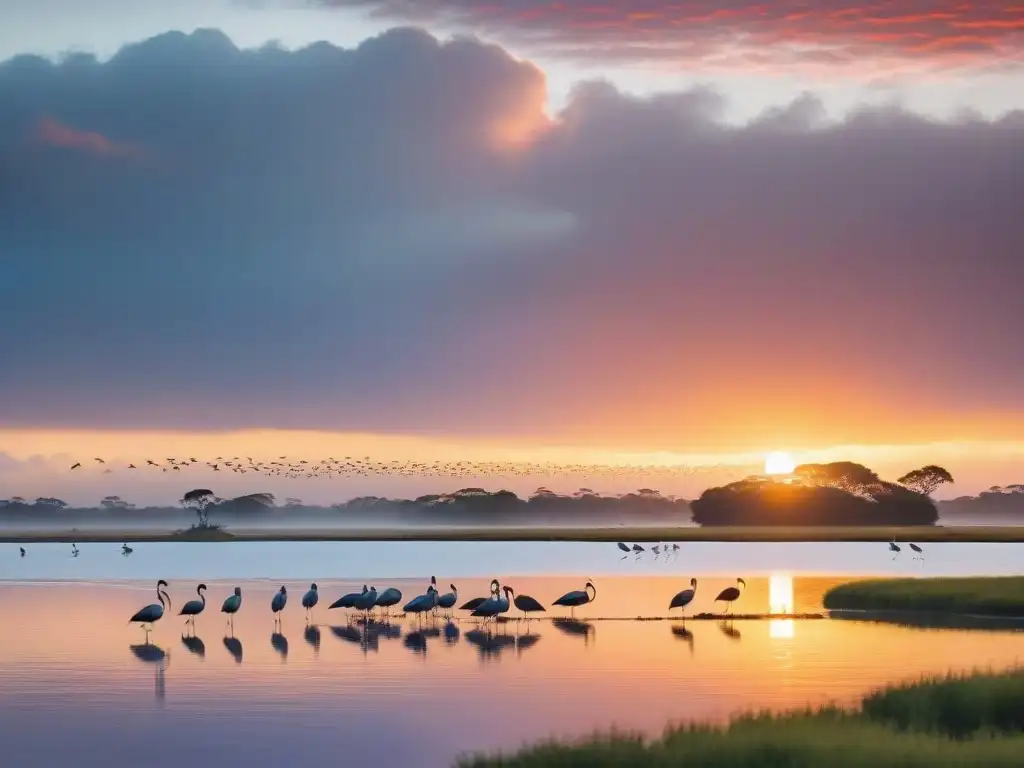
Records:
x=779, y=463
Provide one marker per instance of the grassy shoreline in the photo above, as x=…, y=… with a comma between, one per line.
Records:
x=968, y=720
x=921, y=534
x=1001, y=596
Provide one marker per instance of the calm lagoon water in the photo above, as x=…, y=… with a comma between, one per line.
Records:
x=79, y=687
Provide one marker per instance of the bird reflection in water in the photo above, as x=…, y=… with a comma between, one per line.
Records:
x=682, y=633
x=451, y=634
x=234, y=647
x=148, y=653
x=417, y=641
x=525, y=642
x=312, y=636
x=280, y=644
x=729, y=630
x=489, y=645
x=367, y=635
x=194, y=644
x=576, y=627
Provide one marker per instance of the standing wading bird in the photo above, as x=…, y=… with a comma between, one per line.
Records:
x=623, y=547
x=366, y=601
x=389, y=598
x=918, y=550
x=193, y=608
x=729, y=595
x=422, y=603
x=74, y=549
x=231, y=606
x=684, y=598
x=126, y=550
x=526, y=604
x=894, y=547
x=278, y=603
x=153, y=612
x=579, y=597
x=22, y=551
x=476, y=602
x=309, y=601
x=490, y=609
x=349, y=600
x=447, y=600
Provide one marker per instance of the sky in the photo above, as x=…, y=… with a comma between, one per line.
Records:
x=599, y=230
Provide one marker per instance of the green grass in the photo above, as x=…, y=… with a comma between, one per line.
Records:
x=683, y=533
x=953, y=721
x=987, y=596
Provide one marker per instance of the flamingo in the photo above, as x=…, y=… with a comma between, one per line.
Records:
x=388, y=598
x=578, y=597
x=193, y=608
x=231, y=606
x=684, y=598
x=476, y=602
x=447, y=600
x=155, y=611
x=526, y=604
x=731, y=594
x=496, y=605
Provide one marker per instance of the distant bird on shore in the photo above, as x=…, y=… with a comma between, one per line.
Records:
x=638, y=549
x=231, y=605
x=193, y=608
x=577, y=598
x=729, y=595
x=74, y=549
x=155, y=611
x=309, y=601
x=917, y=549
x=278, y=603
x=126, y=550
x=623, y=546
x=894, y=547
x=22, y=551
x=684, y=598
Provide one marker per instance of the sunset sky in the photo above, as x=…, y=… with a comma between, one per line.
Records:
x=590, y=230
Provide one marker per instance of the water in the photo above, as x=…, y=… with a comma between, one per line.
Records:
x=79, y=687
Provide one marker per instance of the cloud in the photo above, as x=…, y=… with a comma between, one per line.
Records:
x=934, y=33
x=56, y=134
x=399, y=238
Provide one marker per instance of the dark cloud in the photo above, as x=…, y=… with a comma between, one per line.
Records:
x=397, y=238
x=725, y=33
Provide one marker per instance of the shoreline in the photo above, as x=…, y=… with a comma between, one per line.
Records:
x=646, y=533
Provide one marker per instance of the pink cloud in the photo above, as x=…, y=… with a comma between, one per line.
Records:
x=943, y=33
x=56, y=134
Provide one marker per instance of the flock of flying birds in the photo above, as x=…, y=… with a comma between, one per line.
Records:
x=488, y=609
x=367, y=466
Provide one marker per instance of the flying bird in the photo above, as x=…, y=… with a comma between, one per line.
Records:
x=76, y=466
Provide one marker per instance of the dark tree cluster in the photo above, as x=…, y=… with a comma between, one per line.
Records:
x=1003, y=501
x=839, y=493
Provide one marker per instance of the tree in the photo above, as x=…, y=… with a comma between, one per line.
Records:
x=847, y=476
x=199, y=499
x=50, y=504
x=926, y=479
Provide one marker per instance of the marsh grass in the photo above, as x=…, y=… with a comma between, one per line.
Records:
x=986, y=596
x=969, y=720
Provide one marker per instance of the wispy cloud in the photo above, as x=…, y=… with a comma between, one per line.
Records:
x=738, y=33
